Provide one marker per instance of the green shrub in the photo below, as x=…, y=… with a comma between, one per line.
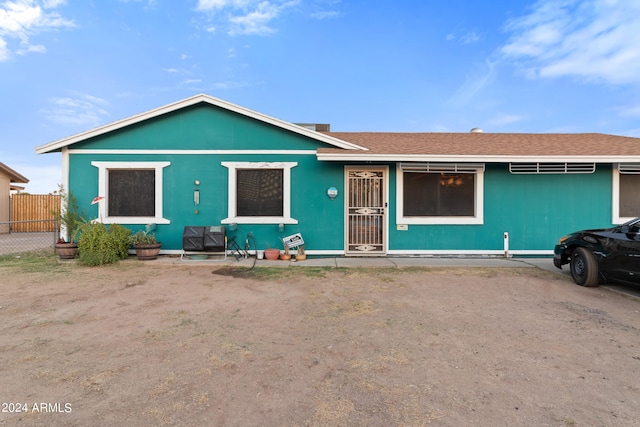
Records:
x=101, y=245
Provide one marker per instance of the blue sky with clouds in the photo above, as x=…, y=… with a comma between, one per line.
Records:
x=362, y=65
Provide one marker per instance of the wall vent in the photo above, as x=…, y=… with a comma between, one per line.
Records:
x=629, y=168
x=540, y=168
x=442, y=167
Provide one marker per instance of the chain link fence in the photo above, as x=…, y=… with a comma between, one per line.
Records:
x=15, y=242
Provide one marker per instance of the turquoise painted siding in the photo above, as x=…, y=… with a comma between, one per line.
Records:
x=320, y=219
x=534, y=209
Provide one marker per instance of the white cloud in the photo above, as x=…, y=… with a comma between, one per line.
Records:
x=228, y=85
x=474, y=82
x=505, y=119
x=469, y=38
x=82, y=110
x=593, y=40
x=206, y=5
x=327, y=14
x=244, y=17
x=4, y=51
x=629, y=111
x=255, y=22
x=191, y=81
x=21, y=20
x=33, y=48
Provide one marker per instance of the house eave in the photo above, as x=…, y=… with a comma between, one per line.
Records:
x=14, y=176
x=364, y=157
x=200, y=98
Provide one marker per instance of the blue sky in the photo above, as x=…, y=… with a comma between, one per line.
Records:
x=360, y=65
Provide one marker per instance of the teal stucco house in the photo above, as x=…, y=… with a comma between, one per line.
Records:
x=206, y=162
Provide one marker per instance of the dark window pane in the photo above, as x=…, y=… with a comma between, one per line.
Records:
x=439, y=194
x=132, y=192
x=260, y=192
x=629, y=195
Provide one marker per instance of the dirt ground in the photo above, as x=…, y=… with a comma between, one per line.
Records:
x=193, y=345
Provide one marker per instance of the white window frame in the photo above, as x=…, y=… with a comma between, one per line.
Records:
x=103, y=190
x=477, y=218
x=616, y=218
x=232, y=215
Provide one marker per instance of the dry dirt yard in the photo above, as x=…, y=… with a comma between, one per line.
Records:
x=152, y=344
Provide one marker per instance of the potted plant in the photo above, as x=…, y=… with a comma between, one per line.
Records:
x=286, y=256
x=301, y=255
x=145, y=245
x=70, y=220
x=271, y=254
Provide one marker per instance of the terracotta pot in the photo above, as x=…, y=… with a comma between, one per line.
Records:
x=147, y=252
x=285, y=257
x=272, y=254
x=67, y=250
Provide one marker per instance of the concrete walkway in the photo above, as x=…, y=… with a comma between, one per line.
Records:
x=381, y=262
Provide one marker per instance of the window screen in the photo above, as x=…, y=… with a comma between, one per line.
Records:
x=439, y=194
x=132, y=192
x=260, y=192
x=629, y=195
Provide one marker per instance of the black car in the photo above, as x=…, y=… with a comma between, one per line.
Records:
x=603, y=255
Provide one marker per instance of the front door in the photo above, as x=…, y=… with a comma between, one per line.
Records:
x=366, y=211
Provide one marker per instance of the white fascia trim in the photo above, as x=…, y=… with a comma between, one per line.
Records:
x=359, y=157
x=232, y=216
x=196, y=99
x=478, y=219
x=193, y=152
x=103, y=167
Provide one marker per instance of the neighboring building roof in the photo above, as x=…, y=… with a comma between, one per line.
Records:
x=201, y=98
x=487, y=147
x=13, y=175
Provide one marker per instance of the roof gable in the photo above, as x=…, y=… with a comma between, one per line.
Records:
x=189, y=102
x=13, y=175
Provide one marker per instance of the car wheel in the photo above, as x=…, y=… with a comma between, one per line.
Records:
x=584, y=268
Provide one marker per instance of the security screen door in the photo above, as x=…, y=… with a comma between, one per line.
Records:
x=366, y=211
